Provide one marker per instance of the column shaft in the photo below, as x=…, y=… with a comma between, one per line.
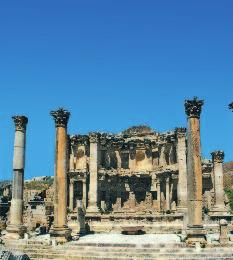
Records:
x=71, y=193
x=168, y=193
x=16, y=211
x=182, y=164
x=93, y=187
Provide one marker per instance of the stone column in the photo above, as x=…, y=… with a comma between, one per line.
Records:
x=60, y=230
x=15, y=229
x=84, y=194
x=94, y=163
x=159, y=195
x=71, y=193
x=195, y=232
x=167, y=193
x=182, y=164
x=219, y=206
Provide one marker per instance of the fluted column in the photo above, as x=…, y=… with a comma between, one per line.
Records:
x=60, y=230
x=94, y=163
x=218, y=158
x=194, y=172
x=182, y=164
x=15, y=228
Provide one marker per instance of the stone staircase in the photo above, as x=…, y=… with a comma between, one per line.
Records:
x=108, y=251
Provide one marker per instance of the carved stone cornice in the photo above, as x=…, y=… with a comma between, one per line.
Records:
x=76, y=140
x=218, y=156
x=193, y=107
x=20, y=123
x=61, y=117
x=180, y=132
x=94, y=137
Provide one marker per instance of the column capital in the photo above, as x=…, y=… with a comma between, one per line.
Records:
x=218, y=156
x=193, y=107
x=180, y=132
x=20, y=123
x=94, y=137
x=61, y=117
x=230, y=106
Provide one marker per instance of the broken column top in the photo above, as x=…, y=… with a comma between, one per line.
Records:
x=218, y=156
x=193, y=107
x=20, y=122
x=61, y=117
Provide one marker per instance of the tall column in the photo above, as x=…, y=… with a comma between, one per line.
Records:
x=60, y=230
x=71, y=193
x=94, y=163
x=85, y=193
x=182, y=164
x=167, y=193
x=219, y=206
x=15, y=229
x=195, y=232
x=159, y=194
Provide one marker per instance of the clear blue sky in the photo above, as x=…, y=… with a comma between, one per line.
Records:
x=113, y=64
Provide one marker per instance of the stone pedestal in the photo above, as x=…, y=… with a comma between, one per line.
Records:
x=195, y=231
x=182, y=162
x=219, y=207
x=60, y=231
x=15, y=229
x=224, y=231
x=92, y=207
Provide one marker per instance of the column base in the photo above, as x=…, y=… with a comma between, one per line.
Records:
x=219, y=211
x=92, y=210
x=196, y=234
x=15, y=231
x=181, y=209
x=60, y=234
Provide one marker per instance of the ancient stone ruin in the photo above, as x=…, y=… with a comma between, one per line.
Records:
x=138, y=181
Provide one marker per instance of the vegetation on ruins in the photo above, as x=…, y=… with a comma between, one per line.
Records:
x=39, y=185
x=229, y=193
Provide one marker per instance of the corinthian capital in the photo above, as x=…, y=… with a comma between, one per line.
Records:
x=94, y=137
x=61, y=117
x=20, y=123
x=218, y=156
x=180, y=132
x=193, y=107
x=230, y=106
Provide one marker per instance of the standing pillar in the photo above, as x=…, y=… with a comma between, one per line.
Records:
x=159, y=194
x=182, y=164
x=94, y=163
x=219, y=205
x=60, y=230
x=167, y=193
x=71, y=193
x=195, y=231
x=15, y=228
x=84, y=193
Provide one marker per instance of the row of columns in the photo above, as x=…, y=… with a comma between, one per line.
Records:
x=193, y=179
